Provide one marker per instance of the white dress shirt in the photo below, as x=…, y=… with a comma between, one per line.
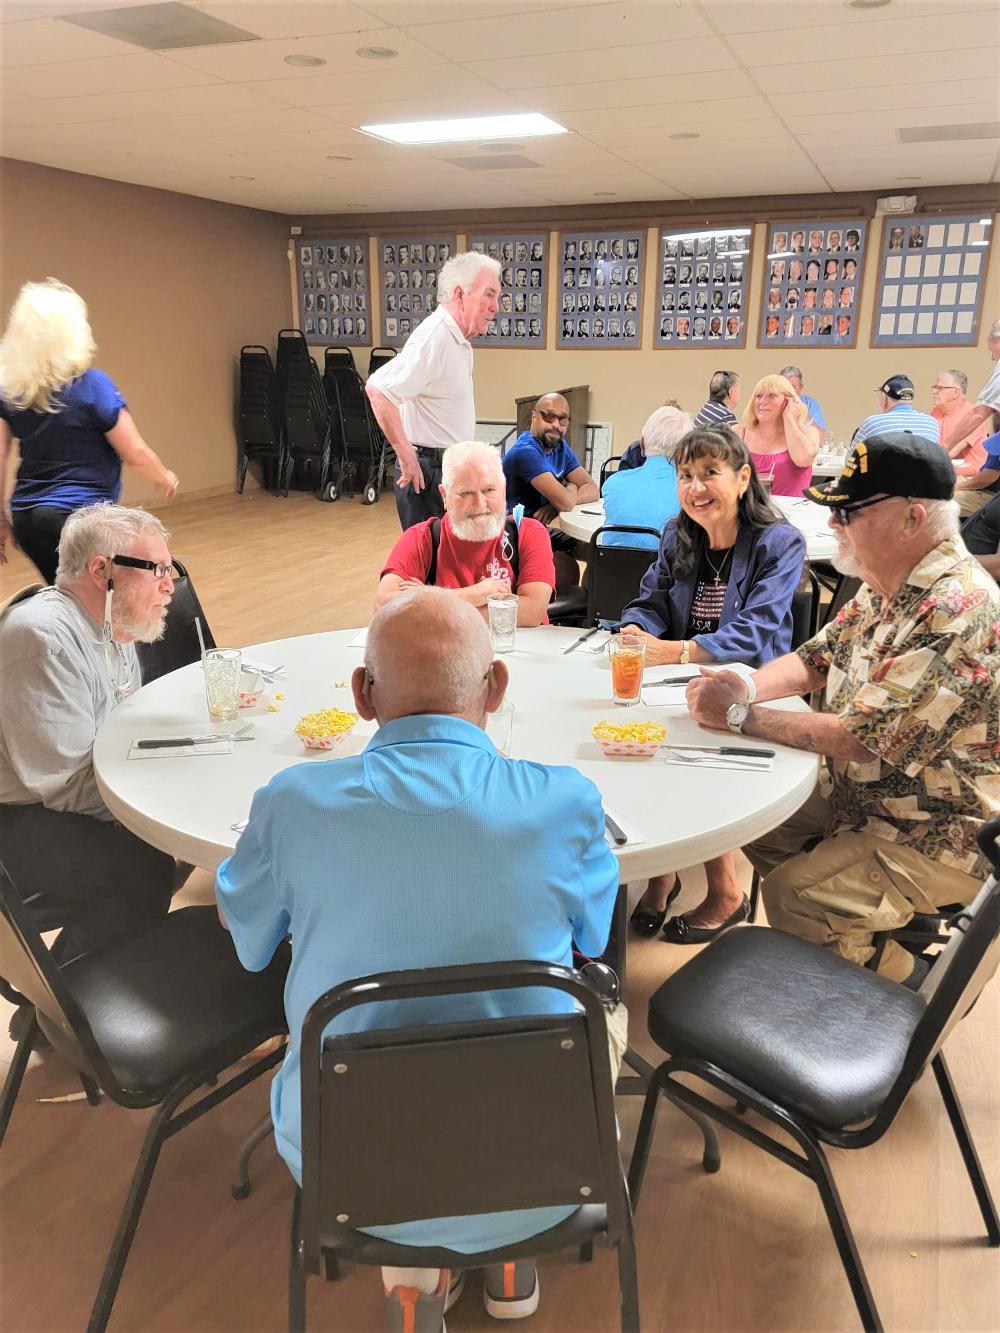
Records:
x=430, y=381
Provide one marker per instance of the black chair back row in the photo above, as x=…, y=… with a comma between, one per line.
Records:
x=362, y=456
x=259, y=431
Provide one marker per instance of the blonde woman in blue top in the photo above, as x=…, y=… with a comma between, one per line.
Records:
x=71, y=423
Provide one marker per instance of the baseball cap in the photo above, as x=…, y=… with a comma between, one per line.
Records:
x=896, y=462
x=897, y=386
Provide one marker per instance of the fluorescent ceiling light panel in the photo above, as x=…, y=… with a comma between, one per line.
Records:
x=529, y=125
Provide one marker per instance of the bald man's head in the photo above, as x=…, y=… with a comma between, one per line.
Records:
x=428, y=651
x=550, y=419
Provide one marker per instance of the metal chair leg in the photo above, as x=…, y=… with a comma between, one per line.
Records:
x=842, y=1234
x=628, y=1280
x=967, y=1148
x=90, y=1088
x=241, y=1185
x=15, y=1075
x=754, y=897
x=296, y=1272
x=643, y=1138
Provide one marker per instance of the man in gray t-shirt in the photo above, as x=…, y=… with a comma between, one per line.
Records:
x=60, y=678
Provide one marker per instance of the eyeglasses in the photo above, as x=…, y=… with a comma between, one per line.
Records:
x=550, y=418
x=841, y=514
x=160, y=570
x=940, y=388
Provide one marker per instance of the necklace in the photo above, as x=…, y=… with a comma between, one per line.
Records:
x=722, y=564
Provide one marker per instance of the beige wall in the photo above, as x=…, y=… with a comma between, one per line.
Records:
x=174, y=285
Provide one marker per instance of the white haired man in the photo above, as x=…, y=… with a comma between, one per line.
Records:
x=423, y=398
x=67, y=659
x=465, y=891
x=474, y=549
x=646, y=497
x=911, y=720
x=986, y=404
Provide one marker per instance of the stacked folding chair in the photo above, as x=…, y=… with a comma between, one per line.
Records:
x=259, y=432
x=362, y=463
x=306, y=414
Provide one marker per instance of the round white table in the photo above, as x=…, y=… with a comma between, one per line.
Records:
x=186, y=805
x=810, y=519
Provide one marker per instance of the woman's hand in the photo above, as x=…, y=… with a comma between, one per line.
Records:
x=168, y=486
x=6, y=535
x=797, y=412
x=659, y=652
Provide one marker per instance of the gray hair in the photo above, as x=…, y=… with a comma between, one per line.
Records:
x=994, y=332
x=960, y=378
x=459, y=455
x=942, y=518
x=720, y=384
x=462, y=271
x=789, y=371
x=663, y=431
x=101, y=529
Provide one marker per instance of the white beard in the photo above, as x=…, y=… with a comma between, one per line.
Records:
x=485, y=528
x=846, y=564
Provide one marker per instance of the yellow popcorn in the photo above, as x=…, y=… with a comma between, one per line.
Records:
x=273, y=708
x=327, y=722
x=642, y=733
x=279, y=698
x=340, y=684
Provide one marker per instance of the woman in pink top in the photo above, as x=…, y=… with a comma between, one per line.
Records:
x=780, y=436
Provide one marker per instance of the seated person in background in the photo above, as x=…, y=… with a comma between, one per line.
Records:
x=466, y=890
x=781, y=439
x=60, y=678
x=724, y=390
x=896, y=412
x=720, y=591
x=911, y=719
x=646, y=497
x=975, y=491
x=948, y=390
x=633, y=455
x=981, y=535
x=794, y=377
x=475, y=549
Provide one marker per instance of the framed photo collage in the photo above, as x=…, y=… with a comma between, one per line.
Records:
x=334, y=291
x=408, y=266
x=702, y=288
x=600, y=276
x=812, y=284
x=932, y=274
x=524, y=262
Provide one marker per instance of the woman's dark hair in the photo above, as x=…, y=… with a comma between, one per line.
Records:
x=755, y=509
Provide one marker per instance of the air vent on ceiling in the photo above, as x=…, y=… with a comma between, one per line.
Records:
x=496, y=162
x=986, y=129
x=166, y=27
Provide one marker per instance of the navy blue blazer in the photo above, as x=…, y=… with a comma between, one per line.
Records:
x=756, y=621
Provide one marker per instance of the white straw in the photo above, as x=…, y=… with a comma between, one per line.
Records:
x=201, y=637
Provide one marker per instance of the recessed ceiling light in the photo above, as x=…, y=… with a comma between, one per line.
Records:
x=526, y=125
x=605, y=194
x=242, y=178
x=376, y=53
x=684, y=134
x=305, y=62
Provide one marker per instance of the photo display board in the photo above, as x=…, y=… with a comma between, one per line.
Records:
x=523, y=259
x=932, y=275
x=600, y=288
x=812, y=284
x=334, y=291
x=702, y=287
x=408, y=267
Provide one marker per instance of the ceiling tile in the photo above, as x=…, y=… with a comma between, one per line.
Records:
x=486, y=101
x=867, y=71
x=619, y=62
x=788, y=16
x=614, y=125
x=292, y=18
x=114, y=106
x=377, y=85
x=867, y=122
x=83, y=78
x=885, y=97
x=945, y=32
x=48, y=41
x=655, y=136
x=667, y=89
x=413, y=13
x=242, y=62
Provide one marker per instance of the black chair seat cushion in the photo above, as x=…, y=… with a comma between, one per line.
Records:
x=173, y=1000
x=585, y=1224
x=805, y=1027
x=569, y=604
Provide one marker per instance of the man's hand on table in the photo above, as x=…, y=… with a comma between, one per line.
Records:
x=710, y=696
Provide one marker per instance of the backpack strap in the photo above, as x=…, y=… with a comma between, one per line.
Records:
x=432, y=568
x=510, y=531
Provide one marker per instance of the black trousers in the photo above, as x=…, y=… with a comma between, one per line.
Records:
x=413, y=508
x=37, y=533
x=114, y=882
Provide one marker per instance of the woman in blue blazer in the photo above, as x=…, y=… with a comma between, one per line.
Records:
x=720, y=590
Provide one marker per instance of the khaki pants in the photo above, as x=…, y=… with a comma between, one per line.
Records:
x=850, y=886
x=970, y=502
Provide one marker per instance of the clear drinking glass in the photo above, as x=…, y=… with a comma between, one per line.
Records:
x=500, y=727
x=222, y=682
x=502, y=612
x=627, y=662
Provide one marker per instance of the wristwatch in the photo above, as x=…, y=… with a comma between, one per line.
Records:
x=685, y=656
x=736, y=715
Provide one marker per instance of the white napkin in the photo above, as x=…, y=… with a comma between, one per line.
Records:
x=632, y=834
x=248, y=665
x=359, y=640
x=702, y=759
x=224, y=746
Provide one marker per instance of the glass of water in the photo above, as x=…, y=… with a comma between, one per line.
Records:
x=222, y=682
x=500, y=727
x=502, y=612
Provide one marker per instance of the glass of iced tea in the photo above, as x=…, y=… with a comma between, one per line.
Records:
x=627, y=662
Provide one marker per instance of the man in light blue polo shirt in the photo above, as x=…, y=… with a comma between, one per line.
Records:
x=793, y=375
x=427, y=849
x=896, y=412
x=646, y=496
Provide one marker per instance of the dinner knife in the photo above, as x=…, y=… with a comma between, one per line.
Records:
x=582, y=639
x=676, y=680
x=164, y=742
x=618, y=834
x=725, y=749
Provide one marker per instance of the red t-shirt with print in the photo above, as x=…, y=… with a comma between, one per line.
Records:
x=461, y=564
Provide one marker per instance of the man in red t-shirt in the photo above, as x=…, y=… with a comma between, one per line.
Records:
x=475, y=554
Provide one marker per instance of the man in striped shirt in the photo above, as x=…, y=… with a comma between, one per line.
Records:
x=723, y=396
x=896, y=412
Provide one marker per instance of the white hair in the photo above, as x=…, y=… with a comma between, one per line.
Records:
x=47, y=345
x=457, y=456
x=942, y=518
x=663, y=431
x=958, y=378
x=101, y=529
x=462, y=271
x=995, y=329
x=428, y=652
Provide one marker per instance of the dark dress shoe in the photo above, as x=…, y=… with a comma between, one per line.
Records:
x=679, y=930
x=645, y=923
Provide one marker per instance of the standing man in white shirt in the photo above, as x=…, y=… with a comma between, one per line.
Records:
x=985, y=405
x=423, y=398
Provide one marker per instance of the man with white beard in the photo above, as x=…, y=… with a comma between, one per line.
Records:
x=474, y=549
x=910, y=725
x=67, y=659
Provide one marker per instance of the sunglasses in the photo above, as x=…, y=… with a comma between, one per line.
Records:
x=550, y=418
x=841, y=514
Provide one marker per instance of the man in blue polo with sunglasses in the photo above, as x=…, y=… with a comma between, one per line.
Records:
x=910, y=725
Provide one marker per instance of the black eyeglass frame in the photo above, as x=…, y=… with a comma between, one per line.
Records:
x=134, y=562
x=551, y=418
x=842, y=513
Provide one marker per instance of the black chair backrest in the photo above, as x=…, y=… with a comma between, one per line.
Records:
x=609, y=467
x=472, y=1117
x=805, y=609
x=616, y=572
x=179, y=645
x=338, y=356
x=379, y=356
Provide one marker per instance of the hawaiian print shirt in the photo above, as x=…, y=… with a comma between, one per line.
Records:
x=917, y=682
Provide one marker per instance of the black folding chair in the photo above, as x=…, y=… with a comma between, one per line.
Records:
x=821, y=1049
x=379, y=356
x=608, y=468
x=361, y=464
x=179, y=645
x=149, y=1020
x=616, y=572
x=500, y=1114
x=258, y=431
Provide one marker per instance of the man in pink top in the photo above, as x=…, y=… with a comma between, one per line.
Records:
x=948, y=389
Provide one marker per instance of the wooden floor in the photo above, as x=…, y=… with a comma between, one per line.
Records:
x=747, y=1249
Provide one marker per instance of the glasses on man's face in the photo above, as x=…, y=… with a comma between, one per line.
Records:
x=841, y=514
x=940, y=388
x=159, y=570
x=550, y=418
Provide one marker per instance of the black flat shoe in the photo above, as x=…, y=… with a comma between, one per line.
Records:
x=645, y=923
x=678, y=929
